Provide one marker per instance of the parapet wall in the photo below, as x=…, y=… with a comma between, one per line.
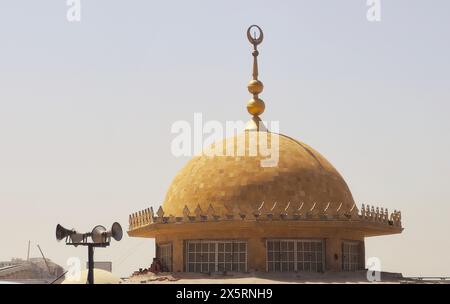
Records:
x=268, y=212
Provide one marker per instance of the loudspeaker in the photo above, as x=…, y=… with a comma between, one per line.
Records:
x=78, y=238
x=62, y=233
x=99, y=234
x=75, y=237
x=116, y=232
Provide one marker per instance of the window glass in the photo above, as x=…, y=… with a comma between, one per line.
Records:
x=351, y=260
x=295, y=255
x=211, y=256
x=164, y=254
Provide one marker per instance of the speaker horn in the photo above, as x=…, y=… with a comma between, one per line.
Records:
x=116, y=232
x=77, y=238
x=62, y=233
x=99, y=235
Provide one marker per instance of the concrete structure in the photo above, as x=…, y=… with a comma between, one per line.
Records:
x=233, y=212
x=33, y=271
x=103, y=265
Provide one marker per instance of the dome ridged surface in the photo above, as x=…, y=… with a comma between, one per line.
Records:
x=301, y=175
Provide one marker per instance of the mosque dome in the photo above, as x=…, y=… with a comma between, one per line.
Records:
x=302, y=175
x=260, y=201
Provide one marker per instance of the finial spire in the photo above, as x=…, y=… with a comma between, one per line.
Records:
x=255, y=106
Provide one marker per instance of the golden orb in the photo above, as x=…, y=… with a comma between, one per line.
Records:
x=255, y=106
x=255, y=86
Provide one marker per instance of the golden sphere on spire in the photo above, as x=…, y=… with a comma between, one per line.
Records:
x=255, y=86
x=255, y=106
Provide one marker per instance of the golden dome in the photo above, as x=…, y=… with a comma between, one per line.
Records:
x=302, y=175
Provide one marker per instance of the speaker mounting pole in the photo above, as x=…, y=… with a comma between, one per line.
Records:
x=90, y=278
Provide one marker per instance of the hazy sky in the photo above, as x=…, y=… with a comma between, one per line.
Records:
x=86, y=110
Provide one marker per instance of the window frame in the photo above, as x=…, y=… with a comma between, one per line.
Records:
x=285, y=264
x=348, y=256
x=168, y=249
x=218, y=249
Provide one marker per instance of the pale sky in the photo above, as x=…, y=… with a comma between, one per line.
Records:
x=86, y=110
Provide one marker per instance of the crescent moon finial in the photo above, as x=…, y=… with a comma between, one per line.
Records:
x=257, y=37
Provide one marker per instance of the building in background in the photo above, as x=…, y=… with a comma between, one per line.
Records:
x=33, y=270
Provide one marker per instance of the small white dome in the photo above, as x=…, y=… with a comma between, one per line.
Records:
x=100, y=277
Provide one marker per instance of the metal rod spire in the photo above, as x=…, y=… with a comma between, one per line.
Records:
x=255, y=106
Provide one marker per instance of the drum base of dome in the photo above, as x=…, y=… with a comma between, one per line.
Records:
x=246, y=246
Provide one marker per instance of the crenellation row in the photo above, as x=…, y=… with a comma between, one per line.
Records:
x=269, y=212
